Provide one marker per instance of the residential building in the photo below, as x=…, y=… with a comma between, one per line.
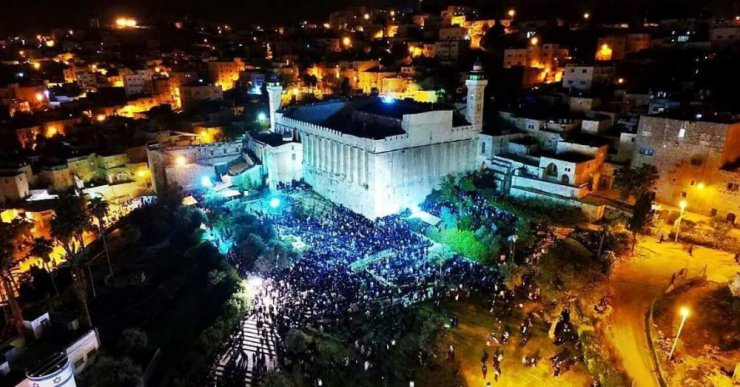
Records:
x=697, y=160
x=587, y=77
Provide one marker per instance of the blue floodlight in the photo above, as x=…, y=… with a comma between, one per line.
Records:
x=206, y=182
x=415, y=210
x=274, y=203
x=388, y=99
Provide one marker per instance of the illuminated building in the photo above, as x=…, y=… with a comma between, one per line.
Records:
x=275, y=92
x=587, y=77
x=190, y=95
x=281, y=159
x=225, y=73
x=453, y=33
x=477, y=29
x=183, y=160
x=696, y=158
x=542, y=61
x=616, y=47
x=137, y=82
x=15, y=180
x=380, y=156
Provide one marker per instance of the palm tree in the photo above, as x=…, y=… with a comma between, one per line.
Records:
x=42, y=249
x=70, y=221
x=11, y=239
x=99, y=208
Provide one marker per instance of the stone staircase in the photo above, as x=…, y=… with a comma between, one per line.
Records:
x=250, y=344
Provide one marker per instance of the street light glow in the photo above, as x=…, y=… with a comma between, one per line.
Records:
x=125, y=22
x=274, y=203
x=683, y=204
x=261, y=117
x=511, y=13
x=684, y=312
x=181, y=160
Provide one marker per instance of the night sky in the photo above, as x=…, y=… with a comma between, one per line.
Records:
x=30, y=15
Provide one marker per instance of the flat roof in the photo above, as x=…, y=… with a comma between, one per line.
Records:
x=342, y=115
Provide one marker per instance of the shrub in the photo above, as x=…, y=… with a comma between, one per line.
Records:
x=465, y=243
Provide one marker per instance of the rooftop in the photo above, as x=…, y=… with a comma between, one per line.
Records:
x=367, y=117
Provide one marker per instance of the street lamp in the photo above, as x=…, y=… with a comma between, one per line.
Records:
x=511, y=13
x=684, y=312
x=682, y=205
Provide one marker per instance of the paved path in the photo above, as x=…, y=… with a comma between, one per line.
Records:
x=637, y=281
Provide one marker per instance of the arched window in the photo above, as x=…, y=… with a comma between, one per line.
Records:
x=552, y=170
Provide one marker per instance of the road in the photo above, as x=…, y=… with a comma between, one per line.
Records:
x=637, y=281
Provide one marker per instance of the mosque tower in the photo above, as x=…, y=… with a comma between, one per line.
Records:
x=476, y=84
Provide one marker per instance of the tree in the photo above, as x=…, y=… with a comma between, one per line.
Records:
x=296, y=342
x=131, y=341
x=448, y=188
x=70, y=221
x=11, y=238
x=439, y=254
x=274, y=378
x=111, y=371
x=642, y=214
x=635, y=182
x=720, y=229
x=99, y=209
x=42, y=248
x=345, y=88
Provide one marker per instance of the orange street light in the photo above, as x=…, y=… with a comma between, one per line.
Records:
x=511, y=13
x=534, y=41
x=684, y=312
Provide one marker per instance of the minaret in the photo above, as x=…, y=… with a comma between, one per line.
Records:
x=476, y=84
x=274, y=92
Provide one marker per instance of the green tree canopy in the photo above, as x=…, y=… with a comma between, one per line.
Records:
x=635, y=182
x=111, y=371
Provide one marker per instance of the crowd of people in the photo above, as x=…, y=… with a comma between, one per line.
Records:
x=370, y=309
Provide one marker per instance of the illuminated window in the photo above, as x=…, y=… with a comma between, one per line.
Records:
x=682, y=133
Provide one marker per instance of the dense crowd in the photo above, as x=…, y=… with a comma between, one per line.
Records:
x=324, y=292
x=477, y=207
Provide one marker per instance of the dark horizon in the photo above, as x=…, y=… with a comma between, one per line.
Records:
x=50, y=14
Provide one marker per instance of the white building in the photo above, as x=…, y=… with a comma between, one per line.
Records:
x=378, y=157
x=282, y=161
x=139, y=82
x=587, y=77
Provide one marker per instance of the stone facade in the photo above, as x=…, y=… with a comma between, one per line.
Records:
x=696, y=161
x=379, y=177
x=187, y=165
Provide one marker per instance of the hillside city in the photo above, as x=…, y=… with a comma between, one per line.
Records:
x=411, y=195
